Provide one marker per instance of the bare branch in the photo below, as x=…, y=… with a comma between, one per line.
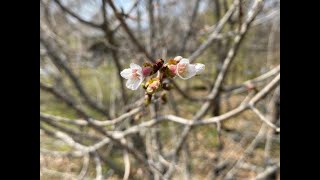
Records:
x=264, y=119
x=269, y=170
x=129, y=32
x=128, y=14
x=214, y=34
x=126, y=161
x=85, y=165
x=190, y=27
x=80, y=122
x=91, y=24
x=97, y=160
x=247, y=152
x=64, y=99
x=61, y=63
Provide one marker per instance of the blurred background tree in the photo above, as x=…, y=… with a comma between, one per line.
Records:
x=84, y=45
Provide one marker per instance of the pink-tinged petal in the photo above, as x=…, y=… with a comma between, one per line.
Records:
x=134, y=83
x=173, y=69
x=126, y=73
x=135, y=66
x=189, y=72
x=200, y=68
x=184, y=61
x=178, y=58
x=185, y=70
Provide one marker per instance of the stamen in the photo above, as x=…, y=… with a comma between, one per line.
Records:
x=135, y=73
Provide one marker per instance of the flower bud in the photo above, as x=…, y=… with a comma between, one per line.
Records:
x=146, y=71
x=153, y=85
x=157, y=65
x=177, y=58
x=172, y=69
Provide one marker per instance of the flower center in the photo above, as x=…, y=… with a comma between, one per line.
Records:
x=182, y=68
x=135, y=74
x=172, y=68
x=154, y=85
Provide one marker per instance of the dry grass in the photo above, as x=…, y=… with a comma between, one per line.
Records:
x=203, y=143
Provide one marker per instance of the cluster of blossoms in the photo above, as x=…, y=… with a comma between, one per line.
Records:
x=177, y=66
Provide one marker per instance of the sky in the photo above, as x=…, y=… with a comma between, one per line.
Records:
x=92, y=6
x=88, y=11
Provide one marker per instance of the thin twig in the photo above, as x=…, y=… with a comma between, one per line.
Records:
x=97, y=160
x=126, y=161
x=129, y=32
x=91, y=24
x=61, y=63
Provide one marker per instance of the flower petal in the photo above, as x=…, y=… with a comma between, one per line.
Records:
x=189, y=72
x=134, y=83
x=200, y=68
x=184, y=61
x=140, y=73
x=178, y=58
x=135, y=66
x=188, y=69
x=126, y=73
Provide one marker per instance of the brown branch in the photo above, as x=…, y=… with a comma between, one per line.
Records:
x=61, y=63
x=213, y=36
x=129, y=32
x=65, y=9
x=190, y=27
x=128, y=14
x=80, y=122
x=64, y=99
x=76, y=134
x=91, y=123
x=109, y=36
x=221, y=76
x=269, y=170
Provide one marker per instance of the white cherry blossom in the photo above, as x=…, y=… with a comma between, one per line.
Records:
x=133, y=75
x=185, y=70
